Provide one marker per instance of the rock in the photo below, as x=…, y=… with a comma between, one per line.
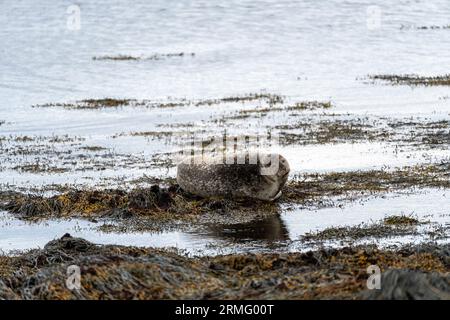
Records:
x=410, y=285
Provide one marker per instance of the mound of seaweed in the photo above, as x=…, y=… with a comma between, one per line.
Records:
x=108, y=202
x=413, y=79
x=117, y=272
x=309, y=189
x=155, y=201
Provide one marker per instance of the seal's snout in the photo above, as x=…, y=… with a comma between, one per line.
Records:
x=284, y=168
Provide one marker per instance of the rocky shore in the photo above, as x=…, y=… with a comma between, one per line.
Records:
x=117, y=272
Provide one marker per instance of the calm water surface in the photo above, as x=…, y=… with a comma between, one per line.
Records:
x=306, y=50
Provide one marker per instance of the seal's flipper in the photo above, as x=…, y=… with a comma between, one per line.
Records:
x=277, y=196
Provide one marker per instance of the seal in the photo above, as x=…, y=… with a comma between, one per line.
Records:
x=256, y=176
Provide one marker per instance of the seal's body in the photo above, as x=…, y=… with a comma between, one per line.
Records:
x=206, y=177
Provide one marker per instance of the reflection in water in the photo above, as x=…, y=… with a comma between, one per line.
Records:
x=270, y=229
x=426, y=205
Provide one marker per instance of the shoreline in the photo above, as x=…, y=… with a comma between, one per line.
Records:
x=146, y=273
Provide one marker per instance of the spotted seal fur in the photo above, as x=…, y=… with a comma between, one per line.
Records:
x=262, y=178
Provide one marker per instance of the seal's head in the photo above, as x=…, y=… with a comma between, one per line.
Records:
x=274, y=174
x=283, y=170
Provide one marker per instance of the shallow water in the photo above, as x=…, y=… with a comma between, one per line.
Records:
x=277, y=233
x=304, y=50
x=240, y=46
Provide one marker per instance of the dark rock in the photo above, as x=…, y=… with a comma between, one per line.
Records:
x=410, y=285
x=69, y=243
x=175, y=188
x=155, y=188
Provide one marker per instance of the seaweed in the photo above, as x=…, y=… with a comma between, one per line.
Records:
x=155, y=56
x=117, y=272
x=298, y=106
x=316, y=188
x=93, y=148
x=120, y=57
x=39, y=168
x=173, y=203
x=361, y=231
x=92, y=104
x=413, y=79
x=434, y=27
x=271, y=99
x=400, y=220
x=88, y=203
x=115, y=102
